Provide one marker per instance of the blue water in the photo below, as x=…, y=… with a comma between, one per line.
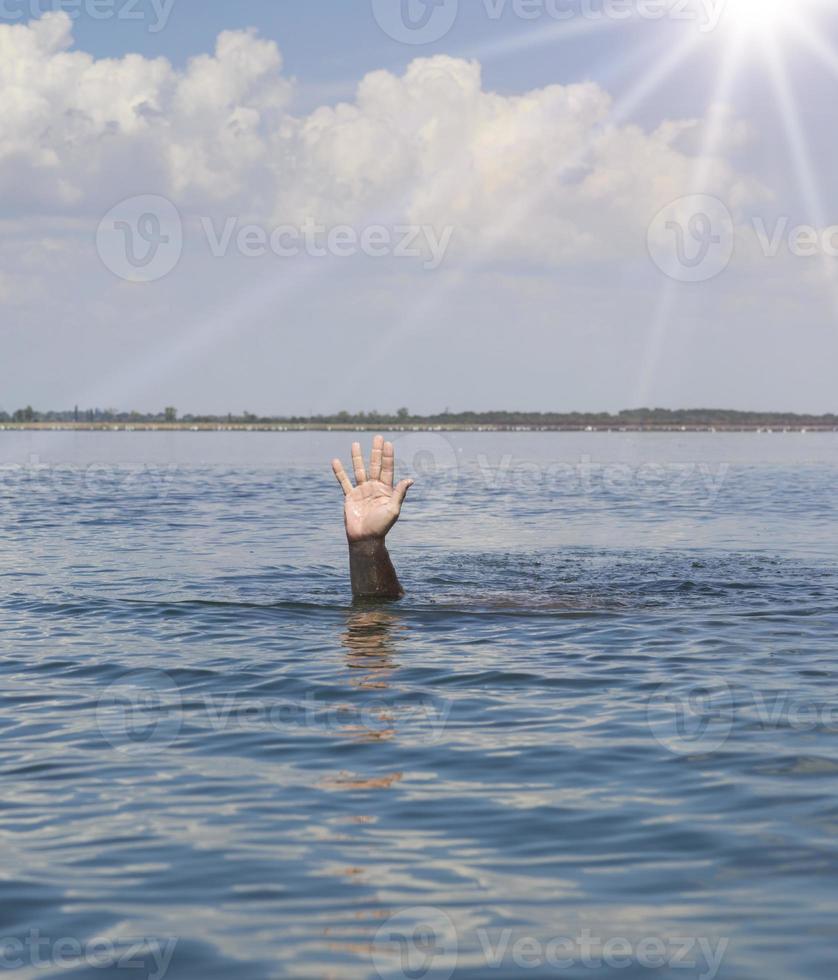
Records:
x=599, y=735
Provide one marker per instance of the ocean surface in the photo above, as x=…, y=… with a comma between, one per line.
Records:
x=598, y=737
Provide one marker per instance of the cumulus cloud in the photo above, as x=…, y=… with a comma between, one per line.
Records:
x=75, y=130
x=545, y=175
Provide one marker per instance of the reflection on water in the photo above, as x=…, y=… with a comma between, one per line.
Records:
x=369, y=654
x=370, y=641
x=600, y=725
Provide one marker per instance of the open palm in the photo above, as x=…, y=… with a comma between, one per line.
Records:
x=373, y=506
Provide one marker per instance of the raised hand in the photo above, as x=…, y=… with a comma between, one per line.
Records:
x=373, y=506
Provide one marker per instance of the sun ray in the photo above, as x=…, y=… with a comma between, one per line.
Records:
x=801, y=159
x=523, y=207
x=714, y=126
x=536, y=38
x=204, y=333
x=816, y=44
x=698, y=184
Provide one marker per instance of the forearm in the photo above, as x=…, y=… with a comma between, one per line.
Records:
x=371, y=570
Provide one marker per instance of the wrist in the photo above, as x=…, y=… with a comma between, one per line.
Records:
x=371, y=570
x=369, y=547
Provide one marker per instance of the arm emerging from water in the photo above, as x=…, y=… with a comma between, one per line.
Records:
x=370, y=510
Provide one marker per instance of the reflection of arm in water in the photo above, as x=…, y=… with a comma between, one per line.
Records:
x=371, y=509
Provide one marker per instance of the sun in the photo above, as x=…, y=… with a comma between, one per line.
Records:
x=759, y=16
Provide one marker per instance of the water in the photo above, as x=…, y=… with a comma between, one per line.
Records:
x=597, y=737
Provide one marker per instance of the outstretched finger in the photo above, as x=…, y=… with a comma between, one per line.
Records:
x=375, y=457
x=388, y=464
x=401, y=490
x=358, y=464
x=340, y=473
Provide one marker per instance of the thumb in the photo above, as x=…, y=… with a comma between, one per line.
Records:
x=401, y=490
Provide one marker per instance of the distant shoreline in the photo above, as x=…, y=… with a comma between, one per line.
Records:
x=382, y=427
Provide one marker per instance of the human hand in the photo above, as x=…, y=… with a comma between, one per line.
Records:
x=373, y=506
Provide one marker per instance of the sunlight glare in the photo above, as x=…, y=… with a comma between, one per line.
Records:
x=760, y=16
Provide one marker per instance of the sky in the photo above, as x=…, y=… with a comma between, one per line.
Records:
x=294, y=208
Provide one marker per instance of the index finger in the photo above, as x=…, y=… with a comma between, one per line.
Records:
x=340, y=473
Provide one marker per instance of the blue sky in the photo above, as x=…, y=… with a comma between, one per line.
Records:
x=547, y=299
x=329, y=46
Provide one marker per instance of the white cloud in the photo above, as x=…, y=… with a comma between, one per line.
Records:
x=542, y=176
x=75, y=131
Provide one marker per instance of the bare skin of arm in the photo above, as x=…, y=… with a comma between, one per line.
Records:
x=371, y=508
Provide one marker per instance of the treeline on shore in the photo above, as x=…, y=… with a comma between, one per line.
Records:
x=633, y=418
